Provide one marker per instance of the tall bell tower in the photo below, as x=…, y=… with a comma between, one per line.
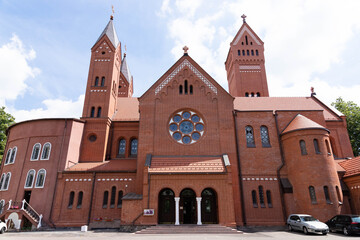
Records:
x=245, y=64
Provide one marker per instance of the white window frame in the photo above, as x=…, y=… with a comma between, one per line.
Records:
x=27, y=175
x=41, y=157
x=3, y=205
x=8, y=155
x=35, y=159
x=3, y=176
x=8, y=183
x=37, y=176
x=12, y=152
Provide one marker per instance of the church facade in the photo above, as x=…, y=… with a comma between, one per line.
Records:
x=186, y=152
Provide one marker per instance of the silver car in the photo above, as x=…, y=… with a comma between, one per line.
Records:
x=307, y=224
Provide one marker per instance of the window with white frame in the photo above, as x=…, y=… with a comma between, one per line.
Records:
x=6, y=181
x=40, y=178
x=35, y=152
x=45, y=154
x=2, y=204
x=7, y=159
x=13, y=155
x=2, y=180
x=30, y=179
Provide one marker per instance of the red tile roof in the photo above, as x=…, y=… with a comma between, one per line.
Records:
x=300, y=122
x=283, y=103
x=187, y=165
x=127, y=109
x=352, y=166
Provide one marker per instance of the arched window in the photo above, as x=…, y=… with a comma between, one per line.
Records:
x=112, y=198
x=13, y=155
x=243, y=52
x=268, y=198
x=327, y=147
x=303, y=147
x=257, y=94
x=312, y=195
x=327, y=195
x=103, y=81
x=249, y=132
x=252, y=52
x=35, y=152
x=252, y=94
x=338, y=194
x=45, y=154
x=180, y=89
x=264, y=133
x=8, y=156
x=7, y=181
x=238, y=52
x=134, y=146
x=120, y=196
x=40, y=178
x=80, y=198
x=261, y=196
x=92, y=114
x=99, y=112
x=191, y=89
x=105, y=199
x=2, y=204
x=246, y=40
x=96, y=81
x=246, y=94
x=186, y=87
x=254, y=198
x=71, y=199
x=316, y=146
x=122, y=146
x=30, y=178
x=2, y=180
x=247, y=52
x=257, y=52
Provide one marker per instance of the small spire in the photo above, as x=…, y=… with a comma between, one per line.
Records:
x=185, y=50
x=113, y=11
x=243, y=17
x=312, y=91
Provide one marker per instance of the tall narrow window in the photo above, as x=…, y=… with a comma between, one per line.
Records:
x=45, y=154
x=122, y=146
x=186, y=87
x=327, y=195
x=303, y=147
x=105, y=199
x=312, y=195
x=268, y=198
x=257, y=94
x=327, y=147
x=99, y=112
x=120, y=196
x=180, y=89
x=71, y=199
x=252, y=52
x=112, y=198
x=80, y=198
x=246, y=94
x=13, y=155
x=8, y=156
x=96, y=81
x=250, y=142
x=103, y=81
x=261, y=196
x=247, y=52
x=92, y=113
x=2, y=204
x=2, y=180
x=338, y=194
x=264, y=133
x=246, y=40
x=36, y=152
x=40, y=178
x=316, y=146
x=134, y=146
x=243, y=52
x=257, y=52
x=252, y=94
x=7, y=181
x=254, y=198
x=191, y=89
x=30, y=179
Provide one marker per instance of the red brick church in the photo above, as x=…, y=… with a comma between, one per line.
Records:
x=186, y=152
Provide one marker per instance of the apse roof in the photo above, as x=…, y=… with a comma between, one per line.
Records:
x=110, y=32
x=127, y=109
x=300, y=123
x=352, y=166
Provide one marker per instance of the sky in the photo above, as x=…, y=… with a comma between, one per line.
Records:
x=45, y=46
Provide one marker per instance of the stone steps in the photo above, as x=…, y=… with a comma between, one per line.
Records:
x=189, y=229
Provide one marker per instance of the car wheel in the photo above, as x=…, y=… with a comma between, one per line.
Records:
x=346, y=232
x=324, y=233
x=290, y=228
x=305, y=230
x=2, y=230
x=332, y=230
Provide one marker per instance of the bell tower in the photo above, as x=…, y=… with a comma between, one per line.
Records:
x=245, y=64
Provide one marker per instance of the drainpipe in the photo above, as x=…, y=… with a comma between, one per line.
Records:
x=91, y=197
x=239, y=171
x=282, y=199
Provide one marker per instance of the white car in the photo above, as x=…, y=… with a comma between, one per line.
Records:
x=307, y=224
x=3, y=227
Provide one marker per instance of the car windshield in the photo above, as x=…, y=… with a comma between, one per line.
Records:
x=356, y=219
x=308, y=219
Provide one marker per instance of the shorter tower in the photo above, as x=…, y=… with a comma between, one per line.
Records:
x=126, y=80
x=245, y=64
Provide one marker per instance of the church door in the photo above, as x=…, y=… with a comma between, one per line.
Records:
x=208, y=206
x=188, y=206
x=166, y=206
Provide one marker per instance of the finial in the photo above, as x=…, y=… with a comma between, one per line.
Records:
x=185, y=50
x=113, y=11
x=243, y=17
x=312, y=91
x=125, y=51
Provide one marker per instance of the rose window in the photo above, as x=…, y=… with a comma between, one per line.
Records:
x=186, y=127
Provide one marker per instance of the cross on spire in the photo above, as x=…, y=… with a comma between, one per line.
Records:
x=185, y=49
x=243, y=17
x=113, y=11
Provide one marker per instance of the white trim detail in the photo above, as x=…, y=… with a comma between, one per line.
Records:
x=178, y=69
x=32, y=153
x=249, y=67
x=27, y=176
x=250, y=33
x=42, y=152
x=37, y=185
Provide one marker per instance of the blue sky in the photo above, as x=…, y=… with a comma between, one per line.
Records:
x=45, y=46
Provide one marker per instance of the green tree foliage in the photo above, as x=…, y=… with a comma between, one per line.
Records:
x=352, y=112
x=5, y=121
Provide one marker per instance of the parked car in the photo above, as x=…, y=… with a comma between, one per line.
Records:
x=3, y=227
x=348, y=224
x=307, y=224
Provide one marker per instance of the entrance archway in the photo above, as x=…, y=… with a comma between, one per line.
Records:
x=209, y=206
x=166, y=208
x=188, y=206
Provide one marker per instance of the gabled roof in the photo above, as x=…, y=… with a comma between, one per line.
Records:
x=246, y=28
x=110, y=32
x=352, y=166
x=302, y=123
x=124, y=69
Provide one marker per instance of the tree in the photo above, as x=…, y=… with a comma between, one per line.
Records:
x=5, y=121
x=352, y=112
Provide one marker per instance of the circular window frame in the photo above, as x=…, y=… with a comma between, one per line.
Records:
x=194, y=130
x=90, y=136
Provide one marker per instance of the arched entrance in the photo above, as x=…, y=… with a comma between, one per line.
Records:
x=209, y=206
x=188, y=206
x=166, y=208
